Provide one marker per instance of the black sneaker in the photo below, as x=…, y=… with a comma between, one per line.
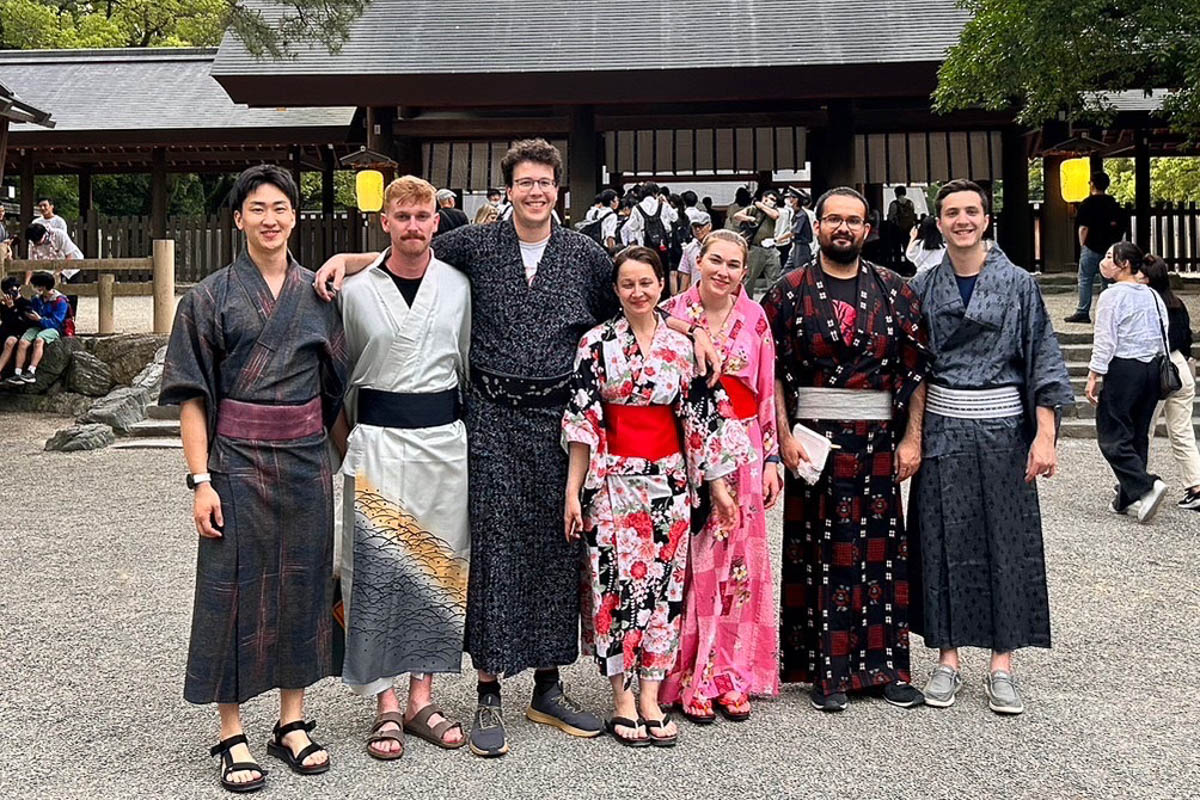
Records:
x=553, y=707
x=1190, y=501
x=828, y=702
x=1078, y=317
x=487, y=732
x=903, y=695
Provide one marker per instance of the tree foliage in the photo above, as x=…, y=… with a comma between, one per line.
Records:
x=1048, y=57
x=269, y=28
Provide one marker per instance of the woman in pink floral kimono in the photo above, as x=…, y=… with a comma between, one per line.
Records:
x=643, y=435
x=730, y=646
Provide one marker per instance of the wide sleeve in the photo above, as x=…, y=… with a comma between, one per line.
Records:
x=335, y=368
x=601, y=297
x=456, y=247
x=714, y=442
x=914, y=358
x=193, y=358
x=1104, y=334
x=1046, y=376
x=583, y=419
x=765, y=389
x=781, y=318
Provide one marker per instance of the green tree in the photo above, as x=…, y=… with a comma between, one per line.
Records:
x=1048, y=57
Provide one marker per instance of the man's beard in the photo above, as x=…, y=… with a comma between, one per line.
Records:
x=841, y=254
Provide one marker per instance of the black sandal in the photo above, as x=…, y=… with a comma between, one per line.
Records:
x=296, y=760
x=222, y=749
x=624, y=722
x=660, y=741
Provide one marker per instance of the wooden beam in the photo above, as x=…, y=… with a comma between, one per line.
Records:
x=1016, y=232
x=585, y=159
x=1141, y=189
x=3, y=145
x=328, y=169
x=27, y=196
x=158, y=193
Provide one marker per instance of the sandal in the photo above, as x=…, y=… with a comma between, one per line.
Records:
x=625, y=722
x=419, y=726
x=222, y=749
x=726, y=709
x=706, y=715
x=296, y=760
x=661, y=741
x=376, y=735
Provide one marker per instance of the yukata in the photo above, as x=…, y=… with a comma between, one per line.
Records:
x=522, y=595
x=730, y=640
x=407, y=543
x=844, y=624
x=271, y=372
x=655, y=435
x=978, y=572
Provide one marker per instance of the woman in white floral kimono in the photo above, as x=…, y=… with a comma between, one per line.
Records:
x=643, y=435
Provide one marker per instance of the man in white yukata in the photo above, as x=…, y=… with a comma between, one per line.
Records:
x=407, y=542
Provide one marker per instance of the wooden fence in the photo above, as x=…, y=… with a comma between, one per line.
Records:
x=1174, y=235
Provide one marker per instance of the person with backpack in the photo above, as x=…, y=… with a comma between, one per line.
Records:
x=757, y=224
x=901, y=219
x=650, y=221
x=600, y=224
x=47, y=317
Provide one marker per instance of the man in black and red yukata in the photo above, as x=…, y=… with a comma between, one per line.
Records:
x=257, y=365
x=850, y=361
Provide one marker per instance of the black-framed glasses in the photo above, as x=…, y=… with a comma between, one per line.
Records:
x=835, y=221
x=526, y=184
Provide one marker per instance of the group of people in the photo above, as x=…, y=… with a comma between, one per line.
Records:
x=618, y=454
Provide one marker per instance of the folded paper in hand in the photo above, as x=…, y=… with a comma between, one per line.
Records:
x=817, y=447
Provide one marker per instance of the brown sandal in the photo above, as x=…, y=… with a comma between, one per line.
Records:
x=376, y=735
x=419, y=726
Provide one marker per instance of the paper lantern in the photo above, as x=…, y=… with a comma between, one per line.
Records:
x=368, y=190
x=1074, y=175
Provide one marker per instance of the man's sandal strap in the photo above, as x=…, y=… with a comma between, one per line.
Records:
x=295, y=725
x=422, y=717
x=394, y=717
x=227, y=744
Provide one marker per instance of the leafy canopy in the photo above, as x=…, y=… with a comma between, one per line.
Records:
x=1052, y=56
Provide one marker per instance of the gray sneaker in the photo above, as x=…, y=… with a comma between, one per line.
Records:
x=487, y=732
x=554, y=708
x=1150, y=501
x=942, y=686
x=1003, y=695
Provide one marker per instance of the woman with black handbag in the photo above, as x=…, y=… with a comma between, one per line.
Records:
x=1129, y=350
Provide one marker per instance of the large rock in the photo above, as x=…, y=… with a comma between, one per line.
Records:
x=88, y=375
x=56, y=358
x=150, y=379
x=127, y=355
x=81, y=437
x=120, y=408
x=67, y=404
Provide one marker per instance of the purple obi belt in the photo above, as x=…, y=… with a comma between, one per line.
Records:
x=272, y=423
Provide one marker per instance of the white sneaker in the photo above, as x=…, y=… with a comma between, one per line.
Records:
x=1150, y=502
x=29, y=377
x=1132, y=508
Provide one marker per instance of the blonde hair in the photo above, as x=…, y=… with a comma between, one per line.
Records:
x=486, y=213
x=409, y=190
x=725, y=235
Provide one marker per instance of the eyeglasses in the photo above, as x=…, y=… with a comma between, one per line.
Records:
x=835, y=222
x=526, y=184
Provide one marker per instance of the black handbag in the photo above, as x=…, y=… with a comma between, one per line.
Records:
x=1169, y=381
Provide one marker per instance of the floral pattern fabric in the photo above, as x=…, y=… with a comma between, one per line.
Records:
x=636, y=511
x=730, y=628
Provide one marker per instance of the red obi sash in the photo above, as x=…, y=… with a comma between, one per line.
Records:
x=270, y=423
x=649, y=432
x=745, y=401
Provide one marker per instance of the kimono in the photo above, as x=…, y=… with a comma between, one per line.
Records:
x=730, y=640
x=263, y=606
x=407, y=543
x=522, y=594
x=979, y=570
x=637, y=511
x=844, y=623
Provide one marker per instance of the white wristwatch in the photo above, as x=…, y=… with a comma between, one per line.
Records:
x=198, y=478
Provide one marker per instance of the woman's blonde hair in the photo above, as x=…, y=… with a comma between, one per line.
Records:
x=725, y=235
x=486, y=213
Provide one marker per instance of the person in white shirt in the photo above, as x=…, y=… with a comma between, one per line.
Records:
x=688, y=268
x=45, y=207
x=652, y=204
x=51, y=244
x=926, y=247
x=783, y=225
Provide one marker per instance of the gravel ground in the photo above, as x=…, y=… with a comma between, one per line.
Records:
x=97, y=599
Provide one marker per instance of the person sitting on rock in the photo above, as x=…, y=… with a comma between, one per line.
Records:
x=12, y=317
x=45, y=319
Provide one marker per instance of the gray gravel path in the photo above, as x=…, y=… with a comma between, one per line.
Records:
x=97, y=584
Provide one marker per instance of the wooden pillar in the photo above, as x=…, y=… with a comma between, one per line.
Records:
x=158, y=193
x=381, y=137
x=104, y=297
x=328, y=195
x=1058, y=221
x=1016, y=230
x=27, y=196
x=584, y=160
x=407, y=152
x=87, y=217
x=297, y=177
x=831, y=150
x=1141, y=188
x=1096, y=162
x=3, y=145
x=164, y=284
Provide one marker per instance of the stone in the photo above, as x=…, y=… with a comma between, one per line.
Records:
x=127, y=354
x=68, y=404
x=150, y=379
x=120, y=408
x=81, y=437
x=56, y=358
x=88, y=375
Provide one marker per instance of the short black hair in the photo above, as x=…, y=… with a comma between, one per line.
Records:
x=42, y=280
x=645, y=255
x=606, y=197
x=45, y=199
x=689, y=198
x=10, y=285
x=1100, y=180
x=493, y=190
x=253, y=177
x=959, y=185
x=901, y=191
x=35, y=233
x=841, y=191
x=537, y=151
x=650, y=189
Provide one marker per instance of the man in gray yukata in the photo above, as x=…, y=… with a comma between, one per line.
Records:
x=992, y=411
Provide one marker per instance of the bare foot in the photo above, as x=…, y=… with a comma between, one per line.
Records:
x=241, y=753
x=296, y=741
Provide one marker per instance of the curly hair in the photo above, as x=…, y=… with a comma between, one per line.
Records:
x=538, y=151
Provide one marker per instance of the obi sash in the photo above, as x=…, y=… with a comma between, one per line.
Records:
x=406, y=410
x=745, y=401
x=1003, y=401
x=820, y=402
x=271, y=423
x=518, y=392
x=649, y=432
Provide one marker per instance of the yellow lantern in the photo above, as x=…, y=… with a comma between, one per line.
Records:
x=368, y=190
x=1074, y=176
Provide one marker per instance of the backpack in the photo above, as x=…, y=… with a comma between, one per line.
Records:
x=654, y=234
x=681, y=234
x=906, y=214
x=594, y=229
x=69, y=320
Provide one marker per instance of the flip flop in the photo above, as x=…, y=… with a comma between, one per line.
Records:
x=661, y=741
x=696, y=719
x=419, y=726
x=376, y=735
x=625, y=722
x=728, y=713
x=228, y=766
x=295, y=761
